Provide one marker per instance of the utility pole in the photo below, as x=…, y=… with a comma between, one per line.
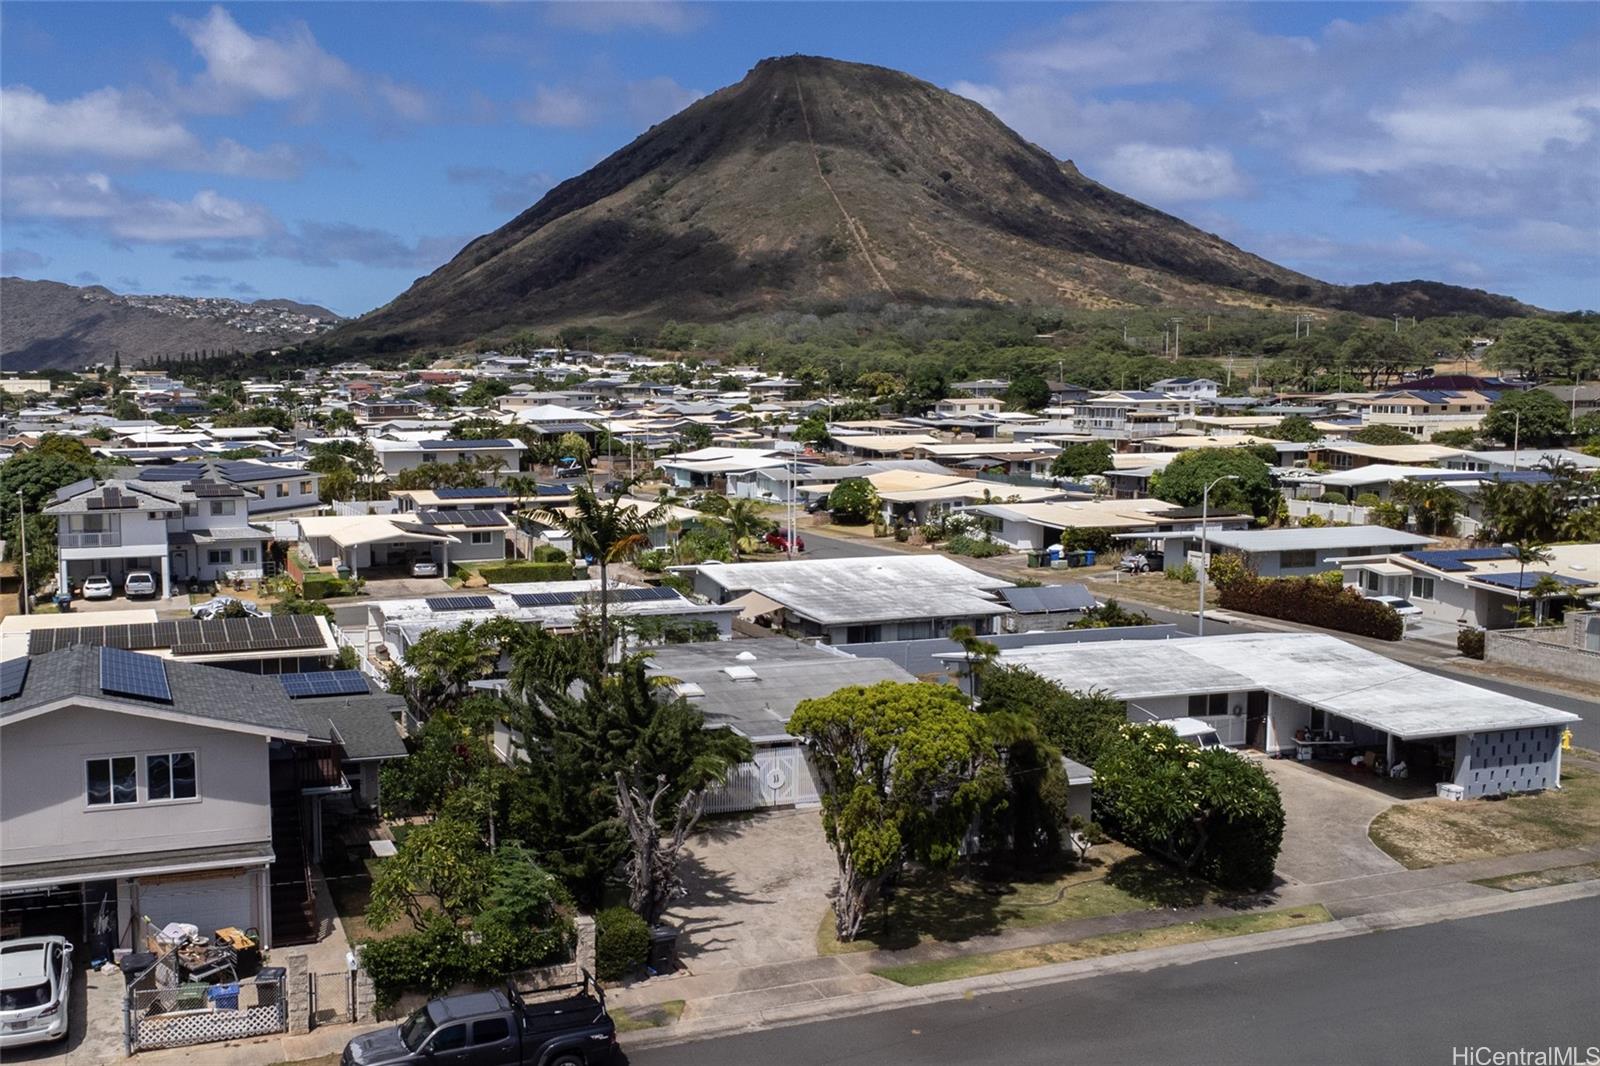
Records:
x=22, y=528
x=1397, y=323
x=1205, y=509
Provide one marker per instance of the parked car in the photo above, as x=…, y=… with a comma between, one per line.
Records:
x=424, y=568
x=35, y=990
x=614, y=487
x=1194, y=731
x=98, y=587
x=218, y=607
x=562, y=1026
x=780, y=540
x=1402, y=607
x=139, y=583
x=818, y=504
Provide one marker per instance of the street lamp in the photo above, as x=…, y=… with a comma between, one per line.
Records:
x=1205, y=510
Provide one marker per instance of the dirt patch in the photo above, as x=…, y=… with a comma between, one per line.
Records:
x=1439, y=832
x=1559, y=875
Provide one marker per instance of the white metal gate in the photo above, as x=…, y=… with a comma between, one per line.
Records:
x=778, y=776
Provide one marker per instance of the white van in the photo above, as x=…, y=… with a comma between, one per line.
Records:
x=1193, y=731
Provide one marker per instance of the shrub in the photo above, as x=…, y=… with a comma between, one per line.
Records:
x=1388, y=515
x=622, y=942
x=1469, y=642
x=1313, y=602
x=319, y=586
x=1185, y=573
x=1368, y=499
x=652, y=562
x=1312, y=521
x=974, y=547
x=1099, y=541
x=1208, y=812
x=548, y=553
x=1334, y=496
x=853, y=501
x=503, y=573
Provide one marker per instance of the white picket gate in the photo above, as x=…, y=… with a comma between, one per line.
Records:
x=778, y=776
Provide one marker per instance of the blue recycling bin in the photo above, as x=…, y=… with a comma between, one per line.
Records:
x=1088, y=558
x=225, y=996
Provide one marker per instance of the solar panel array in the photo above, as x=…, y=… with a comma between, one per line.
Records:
x=462, y=445
x=1048, y=598
x=454, y=493
x=13, y=672
x=127, y=673
x=459, y=603
x=461, y=518
x=324, y=683
x=567, y=599
x=1526, y=580
x=112, y=499
x=209, y=489
x=189, y=636
x=1456, y=561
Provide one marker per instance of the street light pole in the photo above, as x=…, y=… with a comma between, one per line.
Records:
x=1205, y=512
x=22, y=530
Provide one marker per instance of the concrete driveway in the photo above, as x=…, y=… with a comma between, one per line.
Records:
x=1325, y=831
x=758, y=889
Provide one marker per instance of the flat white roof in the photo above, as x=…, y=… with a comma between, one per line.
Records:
x=1314, y=537
x=1315, y=669
x=872, y=589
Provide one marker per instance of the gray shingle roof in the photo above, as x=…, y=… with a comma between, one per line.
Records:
x=226, y=697
x=363, y=725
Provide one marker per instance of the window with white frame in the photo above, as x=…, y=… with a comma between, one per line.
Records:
x=219, y=556
x=171, y=776
x=247, y=555
x=482, y=538
x=112, y=781
x=283, y=489
x=305, y=488
x=1422, y=588
x=222, y=507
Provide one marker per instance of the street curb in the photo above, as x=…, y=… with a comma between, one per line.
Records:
x=896, y=996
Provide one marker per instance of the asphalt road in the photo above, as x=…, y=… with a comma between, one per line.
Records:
x=1521, y=979
x=819, y=546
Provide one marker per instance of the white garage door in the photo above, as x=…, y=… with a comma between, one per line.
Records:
x=210, y=901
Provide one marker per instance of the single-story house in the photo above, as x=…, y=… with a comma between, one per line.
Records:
x=1298, y=552
x=1478, y=587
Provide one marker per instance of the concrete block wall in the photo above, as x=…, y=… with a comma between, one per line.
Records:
x=1555, y=650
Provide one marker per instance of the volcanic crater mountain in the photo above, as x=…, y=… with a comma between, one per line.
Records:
x=813, y=181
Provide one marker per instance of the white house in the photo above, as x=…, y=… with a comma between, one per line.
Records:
x=1201, y=390
x=399, y=455
x=1478, y=587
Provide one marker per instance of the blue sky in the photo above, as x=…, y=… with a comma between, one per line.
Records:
x=335, y=152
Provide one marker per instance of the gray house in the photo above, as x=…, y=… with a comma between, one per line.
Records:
x=132, y=786
x=1291, y=552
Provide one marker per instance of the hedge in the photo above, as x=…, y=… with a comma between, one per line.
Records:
x=319, y=586
x=502, y=573
x=1313, y=602
x=622, y=943
x=1469, y=642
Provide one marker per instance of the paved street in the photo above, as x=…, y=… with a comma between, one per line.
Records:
x=1520, y=979
x=819, y=546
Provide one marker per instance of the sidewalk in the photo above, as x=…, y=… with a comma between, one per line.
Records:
x=840, y=984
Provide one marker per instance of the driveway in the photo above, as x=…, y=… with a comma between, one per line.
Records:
x=758, y=889
x=1325, y=831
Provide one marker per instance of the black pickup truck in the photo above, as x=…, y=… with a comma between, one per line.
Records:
x=561, y=1026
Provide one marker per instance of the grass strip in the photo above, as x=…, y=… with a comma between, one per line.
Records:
x=654, y=1016
x=1557, y=875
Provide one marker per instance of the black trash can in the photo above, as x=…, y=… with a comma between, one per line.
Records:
x=135, y=963
x=663, y=948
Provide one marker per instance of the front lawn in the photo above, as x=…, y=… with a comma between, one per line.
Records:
x=1439, y=832
x=962, y=904
x=927, y=973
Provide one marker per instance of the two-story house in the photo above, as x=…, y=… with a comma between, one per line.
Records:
x=1130, y=415
x=272, y=489
x=199, y=531
x=134, y=787
x=1424, y=412
x=399, y=455
x=1201, y=390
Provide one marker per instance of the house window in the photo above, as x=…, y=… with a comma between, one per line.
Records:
x=1294, y=560
x=113, y=781
x=247, y=555
x=305, y=488
x=482, y=538
x=430, y=458
x=283, y=489
x=222, y=506
x=171, y=776
x=219, y=556
x=1422, y=588
x=1372, y=581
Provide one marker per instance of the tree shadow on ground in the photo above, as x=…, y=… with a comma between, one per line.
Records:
x=714, y=891
x=1153, y=881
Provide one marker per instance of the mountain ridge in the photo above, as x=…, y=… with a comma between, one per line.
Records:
x=53, y=325
x=813, y=181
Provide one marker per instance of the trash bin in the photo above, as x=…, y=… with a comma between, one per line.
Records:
x=1088, y=558
x=135, y=963
x=192, y=995
x=225, y=996
x=663, y=954
x=1036, y=559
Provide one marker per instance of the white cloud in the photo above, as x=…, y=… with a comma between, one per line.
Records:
x=559, y=106
x=124, y=128
x=1168, y=174
x=608, y=16
x=93, y=199
x=16, y=260
x=654, y=99
x=289, y=67
x=1079, y=128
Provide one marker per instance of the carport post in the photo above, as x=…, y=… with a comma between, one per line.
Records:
x=1388, y=753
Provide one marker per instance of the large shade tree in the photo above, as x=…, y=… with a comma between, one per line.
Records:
x=1528, y=418
x=1185, y=478
x=903, y=769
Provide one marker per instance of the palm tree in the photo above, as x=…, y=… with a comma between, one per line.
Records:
x=1546, y=588
x=607, y=531
x=1525, y=553
x=1434, y=505
x=745, y=523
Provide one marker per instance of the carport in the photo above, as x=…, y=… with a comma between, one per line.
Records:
x=370, y=540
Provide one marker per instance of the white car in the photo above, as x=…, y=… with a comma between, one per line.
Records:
x=1403, y=608
x=98, y=587
x=35, y=989
x=424, y=568
x=139, y=583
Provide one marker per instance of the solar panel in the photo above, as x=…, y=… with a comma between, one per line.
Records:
x=324, y=683
x=471, y=494
x=128, y=673
x=459, y=603
x=546, y=599
x=13, y=672
x=1456, y=561
x=641, y=595
x=207, y=489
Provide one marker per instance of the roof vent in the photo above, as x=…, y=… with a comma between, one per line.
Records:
x=746, y=657
x=741, y=673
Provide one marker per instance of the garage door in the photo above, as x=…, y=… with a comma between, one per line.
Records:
x=210, y=901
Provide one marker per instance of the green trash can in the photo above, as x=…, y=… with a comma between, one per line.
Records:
x=192, y=995
x=1037, y=559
